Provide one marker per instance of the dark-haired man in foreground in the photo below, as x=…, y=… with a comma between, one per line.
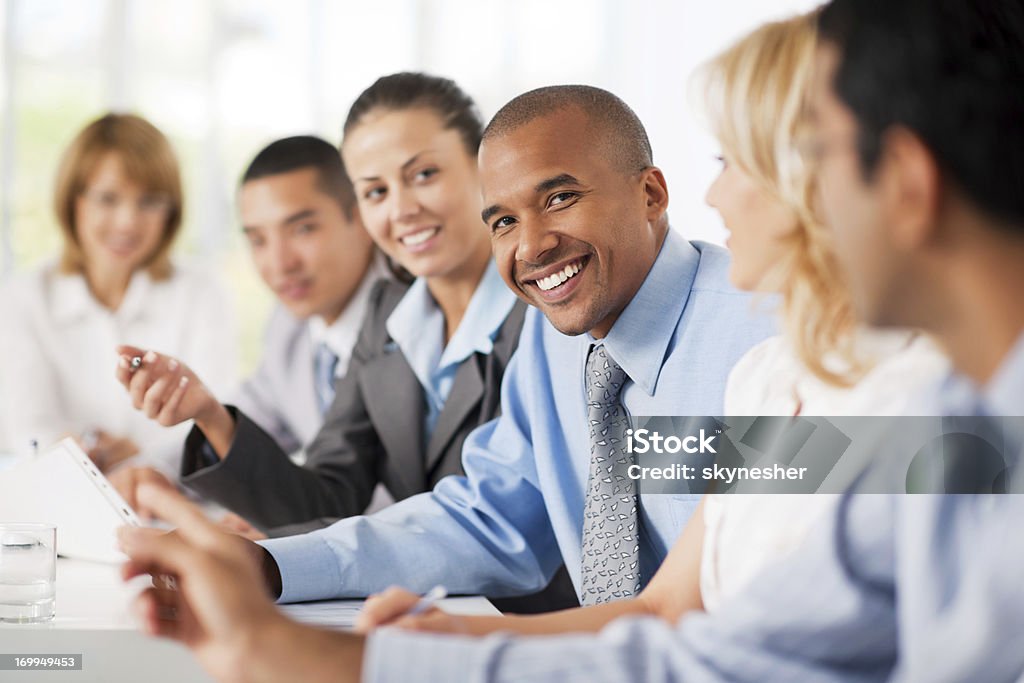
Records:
x=930, y=222
x=308, y=244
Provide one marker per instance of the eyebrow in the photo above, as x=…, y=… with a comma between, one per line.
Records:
x=300, y=216
x=412, y=160
x=546, y=185
x=558, y=181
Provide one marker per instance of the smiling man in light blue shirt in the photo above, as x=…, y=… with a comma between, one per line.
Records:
x=580, y=231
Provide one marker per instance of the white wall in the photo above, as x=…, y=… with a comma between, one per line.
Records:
x=224, y=77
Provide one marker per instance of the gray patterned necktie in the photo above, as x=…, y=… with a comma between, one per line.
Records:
x=611, y=545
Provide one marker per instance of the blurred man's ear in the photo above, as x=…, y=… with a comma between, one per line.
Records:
x=910, y=188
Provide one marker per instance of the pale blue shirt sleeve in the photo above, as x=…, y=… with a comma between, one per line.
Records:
x=829, y=612
x=485, y=533
x=818, y=617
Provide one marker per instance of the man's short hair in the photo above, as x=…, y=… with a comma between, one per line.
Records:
x=301, y=152
x=950, y=71
x=621, y=130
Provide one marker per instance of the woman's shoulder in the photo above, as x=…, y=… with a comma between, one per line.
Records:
x=919, y=355
x=190, y=283
x=193, y=275
x=763, y=374
x=31, y=287
x=902, y=375
x=33, y=277
x=386, y=294
x=772, y=351
x=904, y=367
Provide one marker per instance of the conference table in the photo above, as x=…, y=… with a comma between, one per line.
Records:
x=94, y=619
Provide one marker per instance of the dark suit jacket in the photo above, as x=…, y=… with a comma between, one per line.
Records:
x=372, y=433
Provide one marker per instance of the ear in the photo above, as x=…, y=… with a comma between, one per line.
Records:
x=655, y=193
x=910, y=182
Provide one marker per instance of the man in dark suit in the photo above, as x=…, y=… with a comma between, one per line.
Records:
x=370, y=435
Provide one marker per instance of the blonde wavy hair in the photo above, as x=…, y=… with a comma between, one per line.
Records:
x=754, y=99
x=147, y=157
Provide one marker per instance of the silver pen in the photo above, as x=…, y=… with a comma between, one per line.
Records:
x=428, y=601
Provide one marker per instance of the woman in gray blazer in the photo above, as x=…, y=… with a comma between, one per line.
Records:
x=427, y=367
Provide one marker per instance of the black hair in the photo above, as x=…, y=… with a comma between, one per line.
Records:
x=951, y=71
x=620, y=127
x=306, y=151
x=411, y=90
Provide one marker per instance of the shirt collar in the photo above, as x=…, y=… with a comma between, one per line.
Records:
x=1002, y=395
x=417, y=321
x=73, y=301
x=490, y=305
x=639, y=339
x=340, y=336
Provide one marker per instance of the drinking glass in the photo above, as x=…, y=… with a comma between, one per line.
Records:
x=28, y=572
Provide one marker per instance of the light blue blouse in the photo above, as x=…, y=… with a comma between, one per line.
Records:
x=417, y=325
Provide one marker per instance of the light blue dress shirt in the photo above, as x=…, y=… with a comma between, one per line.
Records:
x=417, y=325
x=905, y=588
x=506, y=526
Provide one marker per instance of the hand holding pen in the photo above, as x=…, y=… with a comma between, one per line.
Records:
x=162, y=387
x=404, y=609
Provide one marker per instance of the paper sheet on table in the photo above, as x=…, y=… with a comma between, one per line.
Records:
x=61, y=486
x=333, y=614
x=341, y=614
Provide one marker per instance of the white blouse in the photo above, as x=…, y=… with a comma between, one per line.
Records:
x=745, y=533
x=58, y=358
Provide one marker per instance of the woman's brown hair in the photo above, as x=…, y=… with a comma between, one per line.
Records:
x=148, y=160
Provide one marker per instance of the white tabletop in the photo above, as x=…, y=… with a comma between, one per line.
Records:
x=94, y=619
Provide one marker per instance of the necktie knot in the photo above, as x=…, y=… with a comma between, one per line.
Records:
x=605, y=378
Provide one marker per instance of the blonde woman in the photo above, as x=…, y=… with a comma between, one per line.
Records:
x=119, y=205
x=823, y=364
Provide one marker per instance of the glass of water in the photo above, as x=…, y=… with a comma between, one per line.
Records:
x=28, y=572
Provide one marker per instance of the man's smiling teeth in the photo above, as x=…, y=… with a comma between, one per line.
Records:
x=555, y=279
x=419, y=237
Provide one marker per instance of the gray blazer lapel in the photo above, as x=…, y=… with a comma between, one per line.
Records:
x=467, y=390
x=394, y=402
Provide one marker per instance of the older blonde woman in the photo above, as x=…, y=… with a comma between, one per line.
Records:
x=119, y=205
x=824, y=364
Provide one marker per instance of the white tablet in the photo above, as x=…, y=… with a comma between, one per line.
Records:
x=61, y=486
